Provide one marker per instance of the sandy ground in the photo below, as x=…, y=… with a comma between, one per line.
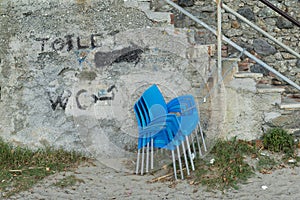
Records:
x=102, y=182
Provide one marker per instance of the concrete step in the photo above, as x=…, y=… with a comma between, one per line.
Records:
x=248, y=75
x=289, y=104
x=266, y=88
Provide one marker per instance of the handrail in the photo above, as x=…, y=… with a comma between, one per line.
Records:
x=247, y=53
x=219, y=37
x=260, y=30
x=284, y=14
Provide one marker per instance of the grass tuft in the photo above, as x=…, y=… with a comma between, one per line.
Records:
x=229, y=167
x=21, y=168
x=234, y=161
x=278, y=140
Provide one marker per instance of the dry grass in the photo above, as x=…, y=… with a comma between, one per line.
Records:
x=21, y=168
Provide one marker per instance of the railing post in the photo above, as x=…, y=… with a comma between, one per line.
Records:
x=219, y=35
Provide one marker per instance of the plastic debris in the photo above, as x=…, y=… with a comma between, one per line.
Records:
x=193, y=156
x=212, y=161
x=264, y=187
x=291, y=160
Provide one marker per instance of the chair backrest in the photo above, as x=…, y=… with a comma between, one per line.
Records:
x=189, y=114
x=138, y=115
x=154, y=102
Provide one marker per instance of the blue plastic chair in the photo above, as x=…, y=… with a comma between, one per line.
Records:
x=155, y=103
x=159, y=125
x=186, y=106
x=157, y=132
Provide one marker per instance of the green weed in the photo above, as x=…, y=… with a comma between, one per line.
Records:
x=21, y=168
x=278, y=140
x=229, y=167
x=266, y=163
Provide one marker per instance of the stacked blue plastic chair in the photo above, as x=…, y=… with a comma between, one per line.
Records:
x=155, y=127
x=165, y=126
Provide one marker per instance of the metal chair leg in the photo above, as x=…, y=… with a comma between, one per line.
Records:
x=193, y=145
x=152, y=149
x=180, y=164
x=147, y=158
x=185, y=159
x=138, y=161
x=202, y=136
x=143, y=158
x=198, y=143
x=190, y=154
x=174, y=165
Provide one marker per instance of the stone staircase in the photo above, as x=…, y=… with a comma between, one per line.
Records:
x=288, y=101
x=260, y=105
x=253, y=102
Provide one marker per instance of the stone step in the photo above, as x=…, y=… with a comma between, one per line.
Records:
x=248, y=75
x=289, y=104
x=266, y=88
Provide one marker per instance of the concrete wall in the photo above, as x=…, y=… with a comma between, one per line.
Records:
x=71, y=71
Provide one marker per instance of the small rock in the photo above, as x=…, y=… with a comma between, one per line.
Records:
x=235, y=24
x=256, y=68
x=234, y=32
x=186, y=3
x=276, y=82
x=263, y=48
x=247, y=13
x=298, y=63
x=297, y=133
x=284, y=23
x=278, y=56
x=288, y=56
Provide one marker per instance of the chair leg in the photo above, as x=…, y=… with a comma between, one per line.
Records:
x=202, y=136
x=198, y=143
x=143, y=158
x=147, y=158
x=193, y=145
x=190, y=154
x=174, y=165
x=185, y=159
x=180, y=164
x=138, y=161
x=152, y=153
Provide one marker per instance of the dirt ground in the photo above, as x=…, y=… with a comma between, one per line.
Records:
x=101, y=182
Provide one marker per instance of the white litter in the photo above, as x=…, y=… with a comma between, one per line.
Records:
x=292, y=161
x=264, y=187
x=212, y=161
x=193, y=156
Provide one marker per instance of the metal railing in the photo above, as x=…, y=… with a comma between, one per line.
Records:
x=260, y=30
x=233, y=44
x=280, y=12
